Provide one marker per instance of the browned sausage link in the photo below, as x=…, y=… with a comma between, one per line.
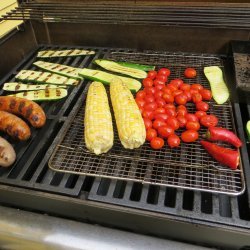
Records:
x=25, y=108
x=14, y=126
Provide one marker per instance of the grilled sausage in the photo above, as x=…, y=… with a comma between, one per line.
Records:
x=14, y=126
x=7, y=153
x=25, y=108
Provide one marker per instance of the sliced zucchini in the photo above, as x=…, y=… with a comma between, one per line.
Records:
x=43, y=95
x=248, y=130
x=44, y=78
x=125, y=70
x=218, y=86
x=137, y=66
x=16, y=86
x=104, y=77
x=60, y=69
x=64, y=53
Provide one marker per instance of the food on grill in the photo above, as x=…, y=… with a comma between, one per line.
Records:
x=64, y=53
x=217, y=83
x=7, y=153
x=30, y=110
x=190, y=73
x=223, y=134
x=225, y=156
x=98, y=131
x=14, y=126
x=122, y=69
x=137, y=66
x=44, y=78
x=106, y=78
x=209, y=121
x=248, y=130
x=59, y=69
x=43, y=95
x=202, y=106
x=189, y=136
x=16, y=86
x=157, y=143
x=128, y=118
x=150, y=134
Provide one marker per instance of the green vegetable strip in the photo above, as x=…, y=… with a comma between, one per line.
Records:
x=64, y=53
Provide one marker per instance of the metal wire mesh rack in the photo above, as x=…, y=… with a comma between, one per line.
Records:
x=188, y=166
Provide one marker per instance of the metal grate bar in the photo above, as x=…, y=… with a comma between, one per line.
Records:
x=132, y=14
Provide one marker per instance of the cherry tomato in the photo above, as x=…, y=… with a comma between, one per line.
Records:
x=185, y=86
x=158, y=94
x=141, y=94
x=157, y=143
x=182, y=121
x=150, y=91
x=197, y=86
x=181, y=107
x=189, y=136
x=152, y=106
x=165, y=131
x=150, y=134
x=196, y=98
x=140, y=102
x=181, y=112
x=209, y=120
x=152, y=74
x=168, y=98
x=177, y=92
x=180, y=99
x=193, y=126
x=148, y=114
x=172, y=87
x=141, y=110
x=176, y=82
x=159, y=82
x=200, y=114
x=191, y=118
x=159, y=87
x=188, y=95
x=160, y=111
x=149, y=98
x=206, y=94
x=202, y=106
x=193, y=91
x=190, y=73
x=148, y=123
x=162, y=78
x=173, y=122
x=158, y=123
x=164, y=71
x=147, y=82
x=170, y=112
x=170, y=106
x=173, y=141
x=160, y=102
x=167, y=90
x=160, y=116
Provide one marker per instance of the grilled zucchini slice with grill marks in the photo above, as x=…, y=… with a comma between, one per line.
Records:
x=59, y=69
x=16, y=86
x=106, y=78
x=129, y=122
x=43, y=95
x=44, y=78
x=98, y=128
x=64, y=53
x=122, y=69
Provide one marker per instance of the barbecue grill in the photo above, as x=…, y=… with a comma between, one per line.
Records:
x=142, y=191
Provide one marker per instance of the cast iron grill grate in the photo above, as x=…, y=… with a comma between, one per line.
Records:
x=188, y=166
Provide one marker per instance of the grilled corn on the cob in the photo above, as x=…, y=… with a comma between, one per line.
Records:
x=98, y=131
x=128, y=118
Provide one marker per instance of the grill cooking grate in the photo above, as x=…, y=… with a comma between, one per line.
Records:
x=188, y=166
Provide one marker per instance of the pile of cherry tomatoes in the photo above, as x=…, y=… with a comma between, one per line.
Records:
x=163, y=107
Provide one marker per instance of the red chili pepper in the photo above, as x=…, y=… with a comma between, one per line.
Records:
x=223, y=134
x=225, y=156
